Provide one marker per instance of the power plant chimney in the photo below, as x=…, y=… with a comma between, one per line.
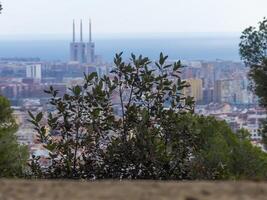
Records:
x=73, y=36
x=81, y=31
x=90, y=31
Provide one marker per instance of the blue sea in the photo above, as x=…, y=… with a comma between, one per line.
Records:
x=181, y=47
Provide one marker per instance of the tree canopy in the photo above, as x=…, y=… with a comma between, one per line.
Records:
x=13, y=157
x=253, y=45
x=253, y=50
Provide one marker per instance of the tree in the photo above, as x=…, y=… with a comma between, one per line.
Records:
x=13, y=157
x=253, y=50
x=1, y=7
x=248, y=162
x=253, y=45
x=223, y=154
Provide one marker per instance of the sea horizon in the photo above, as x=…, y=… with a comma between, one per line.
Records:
x=179, y=46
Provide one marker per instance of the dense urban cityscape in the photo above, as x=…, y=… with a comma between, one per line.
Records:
x=149, y=100
x=220, y=88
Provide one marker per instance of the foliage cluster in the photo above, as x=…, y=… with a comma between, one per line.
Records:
x=13, y=157
x=137, y=124
x=253, y=50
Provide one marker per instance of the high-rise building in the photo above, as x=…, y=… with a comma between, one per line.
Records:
x=232, y=91
x=224, y=91
x=195, y=89
x=82, y=52
x=207, y=95
x=208, y=69
x=34, y=71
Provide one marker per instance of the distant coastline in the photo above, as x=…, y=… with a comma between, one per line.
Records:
x=184, y=47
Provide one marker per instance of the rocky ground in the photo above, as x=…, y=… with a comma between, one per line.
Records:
x=66, y=190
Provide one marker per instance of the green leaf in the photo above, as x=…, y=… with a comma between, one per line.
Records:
x=77, y=90
x=162, y=59
x=39, y=117
x=91, y=76
x=31, y=115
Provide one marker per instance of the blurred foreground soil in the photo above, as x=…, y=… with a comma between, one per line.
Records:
x=69, y=190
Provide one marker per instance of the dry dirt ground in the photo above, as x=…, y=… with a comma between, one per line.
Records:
x=65, y=190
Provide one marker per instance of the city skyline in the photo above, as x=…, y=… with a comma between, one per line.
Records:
x=34, y=18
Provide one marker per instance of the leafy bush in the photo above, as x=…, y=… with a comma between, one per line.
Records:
x=135, y=124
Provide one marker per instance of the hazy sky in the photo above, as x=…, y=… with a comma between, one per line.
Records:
x=130, y=16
